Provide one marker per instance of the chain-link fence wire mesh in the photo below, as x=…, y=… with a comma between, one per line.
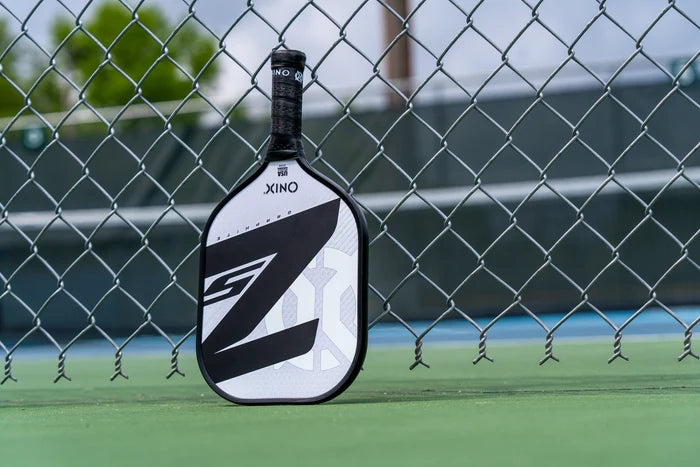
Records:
x=488, y=203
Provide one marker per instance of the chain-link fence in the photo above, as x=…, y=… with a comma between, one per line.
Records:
x=512, y=157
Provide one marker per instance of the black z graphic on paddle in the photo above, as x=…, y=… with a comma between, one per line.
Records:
x=315, y=226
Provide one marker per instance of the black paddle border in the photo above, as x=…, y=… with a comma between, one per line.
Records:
x=363, y=245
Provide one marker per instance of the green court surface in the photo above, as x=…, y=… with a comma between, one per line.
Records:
x=580, y=411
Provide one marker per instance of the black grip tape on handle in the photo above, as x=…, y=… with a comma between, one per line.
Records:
x=287, y=87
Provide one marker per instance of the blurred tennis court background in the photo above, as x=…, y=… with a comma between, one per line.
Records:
x=529, y=172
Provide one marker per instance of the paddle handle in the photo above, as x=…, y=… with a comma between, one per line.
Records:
x=287, y=87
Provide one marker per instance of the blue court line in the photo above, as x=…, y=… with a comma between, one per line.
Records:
x=580, y=326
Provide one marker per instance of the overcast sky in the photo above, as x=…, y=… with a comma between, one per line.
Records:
x=435, y=24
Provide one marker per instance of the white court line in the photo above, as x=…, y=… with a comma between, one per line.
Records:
x=377, y=202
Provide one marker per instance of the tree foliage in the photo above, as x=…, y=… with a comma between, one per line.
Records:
x=11, y=99
x=137, y=62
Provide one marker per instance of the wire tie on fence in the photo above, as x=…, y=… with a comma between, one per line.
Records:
x=418, y=355
x=548, y=347
x=62, y=369
x=482, y=349
x=686, y=346
x=174, y=365
x=617, y=349
x=118, y=367
x=8, y=370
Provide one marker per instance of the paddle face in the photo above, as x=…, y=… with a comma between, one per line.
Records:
x=282, y=305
